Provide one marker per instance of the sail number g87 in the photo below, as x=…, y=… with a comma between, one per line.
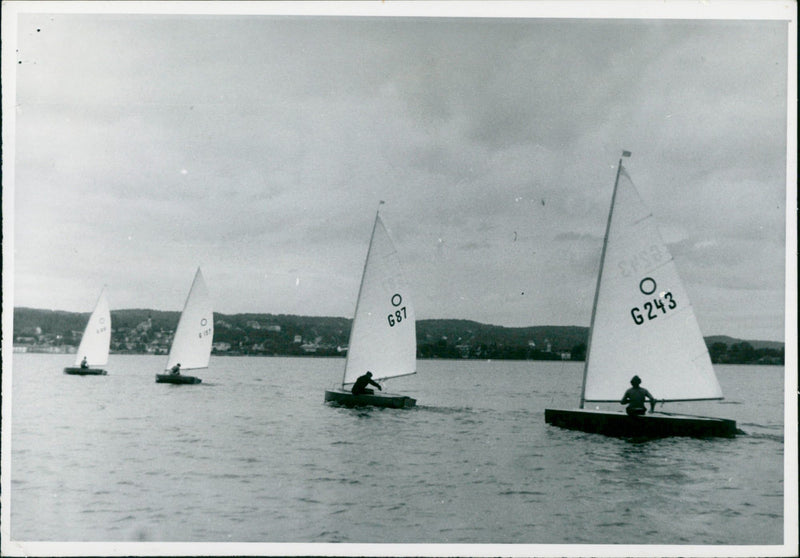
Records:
x=398, y=315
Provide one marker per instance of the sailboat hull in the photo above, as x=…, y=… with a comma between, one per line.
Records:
x=347, y=399
x=78, y=371
x=619, y=424
x=176, y=379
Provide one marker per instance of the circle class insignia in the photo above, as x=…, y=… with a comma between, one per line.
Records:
x=647, y=285
x=203, y=322
x=397, y=300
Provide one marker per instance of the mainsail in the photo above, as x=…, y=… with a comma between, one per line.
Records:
x=642, y=322
x=97, y=335
x=191, y=346
x=383, y=338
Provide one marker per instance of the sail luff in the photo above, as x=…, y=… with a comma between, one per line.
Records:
x=599, y=279
x=360, y=290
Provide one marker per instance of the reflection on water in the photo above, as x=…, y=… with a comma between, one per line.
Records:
x=241, y=458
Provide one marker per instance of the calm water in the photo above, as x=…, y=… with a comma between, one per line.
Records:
x=254, y=455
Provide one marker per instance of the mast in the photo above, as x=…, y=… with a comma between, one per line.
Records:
x=360, y=287
x=599, y=278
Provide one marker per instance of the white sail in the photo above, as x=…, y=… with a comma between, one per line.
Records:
x=97, y=335
x=191, y=346
x=643, y=323
x=383, y=338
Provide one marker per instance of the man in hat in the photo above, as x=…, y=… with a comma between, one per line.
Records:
x=360, y=387
x=635, y=398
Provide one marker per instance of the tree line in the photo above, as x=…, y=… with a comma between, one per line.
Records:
x=281, y=334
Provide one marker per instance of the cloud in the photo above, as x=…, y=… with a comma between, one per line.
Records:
x=494, y=143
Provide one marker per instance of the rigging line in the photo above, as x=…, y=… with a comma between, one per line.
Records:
x=361, y=286
x=600, y=276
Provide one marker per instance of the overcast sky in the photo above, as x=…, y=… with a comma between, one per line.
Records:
x=258, y=147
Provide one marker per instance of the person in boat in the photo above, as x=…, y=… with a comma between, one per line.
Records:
x=176, y=370
x=84, y=363
x=635, y=397
x=360, y=387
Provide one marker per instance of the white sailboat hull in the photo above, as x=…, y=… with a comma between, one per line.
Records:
x=95, y=341
x=642, y=323
x=191, y=346
x=383, y=339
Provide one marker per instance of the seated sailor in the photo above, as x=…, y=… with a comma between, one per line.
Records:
x=360, y=387
x=635, y=397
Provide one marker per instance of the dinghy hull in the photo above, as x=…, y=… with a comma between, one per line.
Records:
x=619, y=424
x=78, y=371
x=347, y=399
x=176, y=379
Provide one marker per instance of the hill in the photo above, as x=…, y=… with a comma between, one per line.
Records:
x=150, y=331
x=775, y=345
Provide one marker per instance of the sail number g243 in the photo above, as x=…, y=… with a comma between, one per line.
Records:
x=650, y=309
x=398, y=315
x=662, y=302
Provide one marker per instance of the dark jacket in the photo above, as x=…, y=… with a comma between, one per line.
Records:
x=361, y=384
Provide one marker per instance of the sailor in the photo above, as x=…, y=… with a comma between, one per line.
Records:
x=635, y=397
x=360, y=387
x=176, y=370
x=84, y=363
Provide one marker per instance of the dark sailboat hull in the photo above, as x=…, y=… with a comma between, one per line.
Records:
x=347, y=399
x=78, y=371
x=619, y=424
x=176, y=379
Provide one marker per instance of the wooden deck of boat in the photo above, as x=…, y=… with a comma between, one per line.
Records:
x=347, y=399
x=78, y=371
x=619, y=424
x=176, y=379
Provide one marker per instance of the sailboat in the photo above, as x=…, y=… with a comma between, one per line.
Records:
x=93, y=349
x=191, y=346
x=642, y=324
x=383, y=336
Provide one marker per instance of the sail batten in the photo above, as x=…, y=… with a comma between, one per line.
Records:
x=642, y=321
x=191, y=346
x=383, y=333
x=96, y=339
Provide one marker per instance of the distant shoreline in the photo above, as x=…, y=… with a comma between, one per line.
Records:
x=34, y=350
x=145, y=331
